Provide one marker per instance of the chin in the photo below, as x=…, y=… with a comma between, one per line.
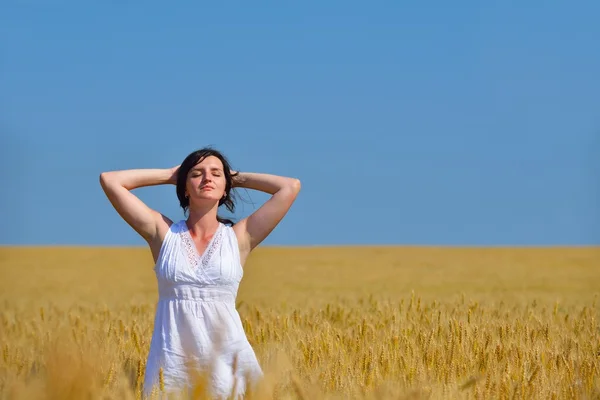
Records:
x=208, y=197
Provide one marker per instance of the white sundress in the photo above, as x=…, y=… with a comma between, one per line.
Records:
x=196, y=322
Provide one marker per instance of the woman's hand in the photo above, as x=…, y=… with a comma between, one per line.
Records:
x=174, y=173
x=237, y=180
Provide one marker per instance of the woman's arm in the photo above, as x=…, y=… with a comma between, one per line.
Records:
x=254, y=229
x=117, y=186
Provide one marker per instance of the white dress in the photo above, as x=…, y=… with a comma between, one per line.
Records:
x=196, y=322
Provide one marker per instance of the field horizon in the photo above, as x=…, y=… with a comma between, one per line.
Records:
x=431, y=322
x=328, y=246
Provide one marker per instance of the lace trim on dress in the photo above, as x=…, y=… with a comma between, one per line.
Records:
x=212, y=247
x=190, y=248
x=194, y=258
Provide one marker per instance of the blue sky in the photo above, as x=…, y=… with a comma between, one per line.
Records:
x=438, y=123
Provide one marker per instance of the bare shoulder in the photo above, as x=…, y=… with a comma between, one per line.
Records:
x=243, y=239
x=163, y=224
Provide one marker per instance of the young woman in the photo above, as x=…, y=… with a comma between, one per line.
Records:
x=199, y=265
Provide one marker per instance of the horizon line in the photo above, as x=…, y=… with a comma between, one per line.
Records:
x=317, y=246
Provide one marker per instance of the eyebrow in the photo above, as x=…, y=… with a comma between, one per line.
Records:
x=212, y=169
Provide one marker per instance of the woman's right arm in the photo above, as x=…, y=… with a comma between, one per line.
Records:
x=117, y=186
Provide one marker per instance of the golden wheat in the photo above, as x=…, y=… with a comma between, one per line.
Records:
x=325, y=323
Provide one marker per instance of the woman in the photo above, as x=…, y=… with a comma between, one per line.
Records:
x=199, y=265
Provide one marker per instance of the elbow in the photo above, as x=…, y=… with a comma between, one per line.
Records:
x=295, y=185
x=102, y=179
x=289, y=188
x=105, y=179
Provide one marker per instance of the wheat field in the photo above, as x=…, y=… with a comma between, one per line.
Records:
x=326, y=323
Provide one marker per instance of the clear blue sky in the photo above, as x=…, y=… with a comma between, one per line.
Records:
x=454, y=123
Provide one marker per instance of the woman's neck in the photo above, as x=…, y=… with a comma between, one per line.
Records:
x=202, y=222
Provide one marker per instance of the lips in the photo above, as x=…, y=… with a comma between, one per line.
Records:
x=206, y=188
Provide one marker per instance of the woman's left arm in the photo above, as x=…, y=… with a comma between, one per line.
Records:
x=252, y=230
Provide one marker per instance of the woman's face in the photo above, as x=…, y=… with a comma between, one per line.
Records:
x=206, y=181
